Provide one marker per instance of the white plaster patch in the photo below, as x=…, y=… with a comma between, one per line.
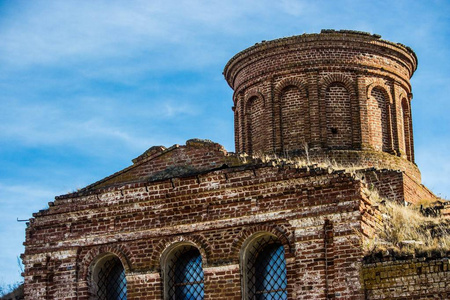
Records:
x=308, y=231
x=147, y=277
x=230, y=194
x=158, y=207
x=55, y=255
x=221, y=268
x=213, y=185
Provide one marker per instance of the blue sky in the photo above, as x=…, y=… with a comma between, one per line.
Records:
x=85, y=86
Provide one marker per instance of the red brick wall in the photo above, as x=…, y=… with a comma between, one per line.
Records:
x=338, y=117
x=379, y=160
x=313, y=213
x=378, y=120
x=407, y=279
x=388, y=183
x=396, y=186
x=256, y=123
x=334, y=90
x=415, y=191
x=293, y=118
x=158, y=162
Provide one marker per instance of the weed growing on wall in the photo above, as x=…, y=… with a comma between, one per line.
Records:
x=406, y=230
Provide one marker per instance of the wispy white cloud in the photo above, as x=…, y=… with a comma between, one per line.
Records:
x=63, y=31
x=93, y=119
x=56, y=30
x=19, y=197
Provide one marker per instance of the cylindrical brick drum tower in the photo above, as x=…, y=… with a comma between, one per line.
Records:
x=340, y=95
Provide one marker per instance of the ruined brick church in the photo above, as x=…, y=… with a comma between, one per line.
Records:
x=275, y=220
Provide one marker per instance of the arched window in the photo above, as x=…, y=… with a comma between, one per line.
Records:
x=294, y=118
x=407, y=129
x=339, y=116
x=265, y=275
x=185, y=274
x=110, y=279
x=379, y=119
x=255, y=125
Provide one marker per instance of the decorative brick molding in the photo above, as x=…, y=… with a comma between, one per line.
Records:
x=254, y=94
x=197, y=240
x=119, y=250
x=290, y=81
x=344, y=79
x=285, y=237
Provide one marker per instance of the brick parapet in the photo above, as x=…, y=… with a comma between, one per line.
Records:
x=162, y=163
x=322, y=40
x=367, y=159
x=232, y=185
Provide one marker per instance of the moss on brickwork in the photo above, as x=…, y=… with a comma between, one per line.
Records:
x=420, y=278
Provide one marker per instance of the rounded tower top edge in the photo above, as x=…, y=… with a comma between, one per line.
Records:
x=326, y=35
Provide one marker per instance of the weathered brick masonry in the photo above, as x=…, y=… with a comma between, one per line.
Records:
x=214, y=210
x=339, y=96
x=327, y=92
x=336, y=96
x=422, y=278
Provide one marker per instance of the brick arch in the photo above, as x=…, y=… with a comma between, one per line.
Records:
x=402, y=95
x=345, y=80
x=407, y=127
x=389, y=106
x=254, y=121
x=197, y=240
x=337, y=102
x=349, y=134
x=380, y=84
x=291, y=121
x=291, y=81
x=247, y=246
x=404, y=101
x=253, y=94
x=284, y=234
x=121, y=251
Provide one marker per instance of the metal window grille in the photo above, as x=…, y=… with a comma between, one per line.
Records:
x=186, y=275
x=112, y=284
x=266, y=270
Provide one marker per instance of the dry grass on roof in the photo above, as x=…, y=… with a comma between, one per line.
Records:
x=298, y=161
x=406, y=231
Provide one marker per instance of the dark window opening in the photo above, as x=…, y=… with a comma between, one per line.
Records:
x=186, y=275
x=266, y=270
x=112, y=284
